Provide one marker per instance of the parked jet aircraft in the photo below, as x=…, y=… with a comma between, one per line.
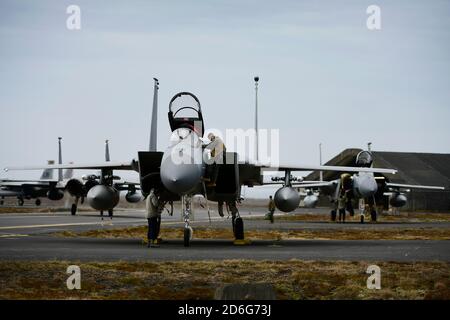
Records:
x=45, y=187
x=85, y=187
x=363, y=186
x=180, y=172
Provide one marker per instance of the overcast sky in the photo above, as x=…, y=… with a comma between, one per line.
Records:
x=324, y=76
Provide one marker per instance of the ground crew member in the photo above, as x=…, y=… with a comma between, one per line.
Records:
x=344, y=195
x=271, y=209
x=218, y=150
x=342, y=202
x=153, y=215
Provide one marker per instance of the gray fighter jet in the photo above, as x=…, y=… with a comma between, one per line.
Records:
x=362, y=187
x=180, y=172
x=79, y=188
x=45, y=187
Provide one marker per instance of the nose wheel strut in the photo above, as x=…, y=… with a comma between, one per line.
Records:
x=186, y=207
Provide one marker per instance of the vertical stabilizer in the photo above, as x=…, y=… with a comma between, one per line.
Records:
x=154, y=123
x=68, y=174
x=47, y=174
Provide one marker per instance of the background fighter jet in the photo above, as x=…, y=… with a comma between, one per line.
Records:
x=364, y=187
x=179, y=173
x=85, y=187
x=45, y=187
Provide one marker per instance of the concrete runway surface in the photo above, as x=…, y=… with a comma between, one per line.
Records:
x=26, y=237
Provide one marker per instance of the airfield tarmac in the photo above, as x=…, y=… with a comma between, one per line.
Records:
x=30, y=236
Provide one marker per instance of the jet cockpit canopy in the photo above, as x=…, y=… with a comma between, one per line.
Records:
x=364, y=159
x=185, y=112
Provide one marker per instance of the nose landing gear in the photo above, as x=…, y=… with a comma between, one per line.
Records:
x=186, y=207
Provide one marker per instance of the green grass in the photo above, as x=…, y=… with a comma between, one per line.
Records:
x=292, y=279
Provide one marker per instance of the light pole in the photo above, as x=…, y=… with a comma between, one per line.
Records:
x=320, y=161
x=256, y=117
x=60, y=173
x=107, y=157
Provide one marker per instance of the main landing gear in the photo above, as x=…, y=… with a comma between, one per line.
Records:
x=110, y=213
x=154, y=223
x=236, y=221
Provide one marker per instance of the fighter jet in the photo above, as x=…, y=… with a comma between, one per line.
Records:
x=180, y=172
x=80, y=188
x=45, y=187
x=364, y=187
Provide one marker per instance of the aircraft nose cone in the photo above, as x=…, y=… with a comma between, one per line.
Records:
x=367, y=186
x=180, y=178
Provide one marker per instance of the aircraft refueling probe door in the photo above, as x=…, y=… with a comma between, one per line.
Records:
x=185, y=112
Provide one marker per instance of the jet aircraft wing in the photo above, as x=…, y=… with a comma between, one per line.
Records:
x=412, y=186
x=299, y=167
x=131, y=165
x=8, y=193
x=315, y=185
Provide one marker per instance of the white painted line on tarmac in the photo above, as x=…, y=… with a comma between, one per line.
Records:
x=102, y=223
x=13, y=235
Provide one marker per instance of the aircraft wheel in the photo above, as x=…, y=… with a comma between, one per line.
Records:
x=20, y=202
x=110, y=213
x=362, y=218
x=373, y=215
x=239, y=229
x=187, y=236
x=38, y=202
x=73, y=209
x=333, y=215
x=1, y=202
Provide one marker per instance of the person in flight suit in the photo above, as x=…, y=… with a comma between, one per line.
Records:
x=218, y=150
x=153, y=214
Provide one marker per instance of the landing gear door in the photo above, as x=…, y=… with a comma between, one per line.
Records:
x=228, y=177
